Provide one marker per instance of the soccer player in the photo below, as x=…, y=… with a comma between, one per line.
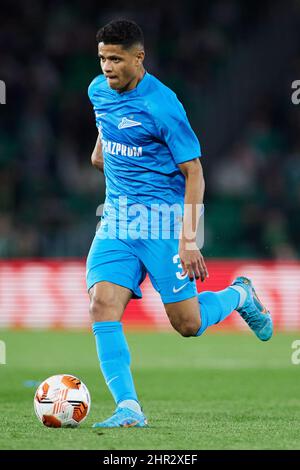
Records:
x=150, y=158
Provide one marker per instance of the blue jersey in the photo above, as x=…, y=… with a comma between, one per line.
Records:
x=145, y=134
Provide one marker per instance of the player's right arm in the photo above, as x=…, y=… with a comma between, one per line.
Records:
x=97, y=155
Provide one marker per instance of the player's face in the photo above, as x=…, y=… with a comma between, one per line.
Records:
x=120, y=66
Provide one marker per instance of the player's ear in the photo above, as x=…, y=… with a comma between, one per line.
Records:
x=140, y=57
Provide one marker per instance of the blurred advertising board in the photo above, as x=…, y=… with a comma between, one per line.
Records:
x=52, y=294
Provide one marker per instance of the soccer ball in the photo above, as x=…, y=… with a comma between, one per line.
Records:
x=62, y=401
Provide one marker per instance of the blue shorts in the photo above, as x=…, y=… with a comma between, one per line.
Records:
x=126, y=263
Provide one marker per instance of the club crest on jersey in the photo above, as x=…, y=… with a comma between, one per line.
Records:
x=128, y=123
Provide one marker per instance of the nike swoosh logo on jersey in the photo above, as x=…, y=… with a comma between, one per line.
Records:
x=128, y=123
x=180, y=288
x=101, y=114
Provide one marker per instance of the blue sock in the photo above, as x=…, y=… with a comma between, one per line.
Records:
x=216, y=306
x=114, y=358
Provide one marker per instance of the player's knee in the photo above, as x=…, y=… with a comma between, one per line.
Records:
x=104, y=307
x=187, y=328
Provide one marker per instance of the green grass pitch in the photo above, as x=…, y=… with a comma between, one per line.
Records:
x=220, y=391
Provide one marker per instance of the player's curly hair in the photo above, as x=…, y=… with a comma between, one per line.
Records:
x=123, y=32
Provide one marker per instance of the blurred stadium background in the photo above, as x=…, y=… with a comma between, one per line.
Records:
x=232, y=64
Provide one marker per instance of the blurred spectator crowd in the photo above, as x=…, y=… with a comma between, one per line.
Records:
x=49, y=191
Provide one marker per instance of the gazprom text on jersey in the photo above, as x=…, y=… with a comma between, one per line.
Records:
x=115, y=148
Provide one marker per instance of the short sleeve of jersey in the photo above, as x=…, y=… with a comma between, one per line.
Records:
x=94, y=93
x=175, y=130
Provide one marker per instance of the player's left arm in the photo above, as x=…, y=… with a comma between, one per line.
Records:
x=97, y=155
x=191, y=258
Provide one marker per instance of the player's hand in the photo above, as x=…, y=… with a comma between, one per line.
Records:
x=192, y=261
